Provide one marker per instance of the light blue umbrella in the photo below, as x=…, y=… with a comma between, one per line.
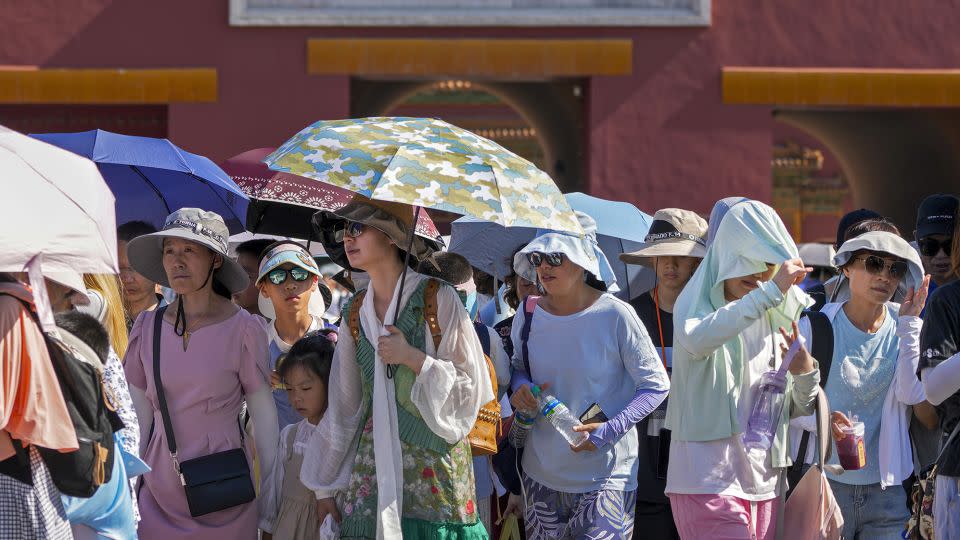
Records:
x=621, y=228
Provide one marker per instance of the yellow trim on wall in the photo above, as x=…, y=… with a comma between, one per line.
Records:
x=20, y=85
x=841, y=87
x=501, y=58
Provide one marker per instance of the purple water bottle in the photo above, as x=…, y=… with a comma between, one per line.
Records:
x=768, y=404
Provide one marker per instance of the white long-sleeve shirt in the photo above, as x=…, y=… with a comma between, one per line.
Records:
x=452, y=385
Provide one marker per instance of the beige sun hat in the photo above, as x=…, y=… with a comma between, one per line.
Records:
x=673, y=233
x=392, y=219
x=205, y=228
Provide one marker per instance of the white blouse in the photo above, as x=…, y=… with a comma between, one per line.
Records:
x=452, y=386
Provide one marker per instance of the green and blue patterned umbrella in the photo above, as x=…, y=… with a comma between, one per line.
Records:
x=429, y=163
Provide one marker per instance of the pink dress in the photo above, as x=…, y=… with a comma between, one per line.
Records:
x=205, y=387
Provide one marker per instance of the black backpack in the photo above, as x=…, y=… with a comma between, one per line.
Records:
x=94, y=420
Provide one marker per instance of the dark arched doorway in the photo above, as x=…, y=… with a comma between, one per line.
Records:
x=891, y=158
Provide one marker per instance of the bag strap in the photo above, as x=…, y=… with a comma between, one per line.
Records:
x=430, y=311
x=158, y=383
x=529, y=307
x=953, y=435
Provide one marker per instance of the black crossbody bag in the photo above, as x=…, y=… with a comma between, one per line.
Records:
x=214, y=482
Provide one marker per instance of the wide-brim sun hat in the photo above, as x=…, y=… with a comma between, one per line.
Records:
x=73, y=280
x=392, y=219
x=673, y=233
x=205, y=228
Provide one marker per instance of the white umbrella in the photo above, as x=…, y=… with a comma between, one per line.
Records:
x=57, y=213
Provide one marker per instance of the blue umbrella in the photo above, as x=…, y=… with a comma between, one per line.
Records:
x=151, y=178
x=621, y=228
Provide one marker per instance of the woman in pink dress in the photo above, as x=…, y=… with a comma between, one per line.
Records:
x=213, y=357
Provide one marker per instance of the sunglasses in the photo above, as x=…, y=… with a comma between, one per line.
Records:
x=876, y=265
x=352, y=229
x=278, y=275
x=931, y=246
x=553, y=259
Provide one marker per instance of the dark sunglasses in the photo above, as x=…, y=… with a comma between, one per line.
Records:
x=536, y=258
x=352, y=229
x=931, y=246
x=279, y=275
x=875, y=265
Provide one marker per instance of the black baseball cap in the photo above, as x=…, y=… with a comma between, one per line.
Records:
x=850, y=219
x=937, y=215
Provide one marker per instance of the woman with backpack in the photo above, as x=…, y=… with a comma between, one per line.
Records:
x=32, y=412
x=939, y=370
x=405, y=391
x=190, y=367
x=589, y=349
x=729, y=326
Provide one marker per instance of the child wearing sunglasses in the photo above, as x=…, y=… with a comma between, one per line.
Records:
x=873, y=377
x=288, y=280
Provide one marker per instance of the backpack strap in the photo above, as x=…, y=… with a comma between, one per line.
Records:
x=821, y=331
x=822, y=347
x=353, y=317
x=430, y=311
x=484, y=335
x=529, y=307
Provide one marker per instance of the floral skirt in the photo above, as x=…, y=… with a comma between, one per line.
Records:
x=438, y=493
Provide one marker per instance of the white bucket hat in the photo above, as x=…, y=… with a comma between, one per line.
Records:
x=582, y=250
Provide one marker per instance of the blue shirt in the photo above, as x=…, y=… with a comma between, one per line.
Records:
x=860, y=375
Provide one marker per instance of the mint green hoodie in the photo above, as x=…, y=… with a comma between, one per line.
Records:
x=707, y=353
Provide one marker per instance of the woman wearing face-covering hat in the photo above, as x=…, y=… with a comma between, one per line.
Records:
x=588, y=347
x=213, y=356
x=392, y=444
x=873, y=377
x=727, y=334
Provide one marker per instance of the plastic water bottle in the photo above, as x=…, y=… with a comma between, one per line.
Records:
x=559, y=416
x=768, y=404
x=522, y=423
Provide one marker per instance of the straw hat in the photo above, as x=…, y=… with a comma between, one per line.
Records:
x=205, y=228
x=673, y=233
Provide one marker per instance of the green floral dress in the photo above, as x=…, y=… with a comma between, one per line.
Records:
x=438, y=486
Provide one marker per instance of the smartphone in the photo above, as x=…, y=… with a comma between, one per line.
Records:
x=593, y=415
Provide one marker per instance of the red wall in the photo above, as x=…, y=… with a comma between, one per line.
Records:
x=659, y=137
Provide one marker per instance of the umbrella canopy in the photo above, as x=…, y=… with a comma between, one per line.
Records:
x=283, y=204
x=621, y=227
x=429, y=163
x=153, y=177
x=56, y=204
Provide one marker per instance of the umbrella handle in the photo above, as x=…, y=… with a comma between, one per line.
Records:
x=403, y=275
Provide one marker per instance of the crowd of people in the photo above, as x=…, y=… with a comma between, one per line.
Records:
x=210, y=392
